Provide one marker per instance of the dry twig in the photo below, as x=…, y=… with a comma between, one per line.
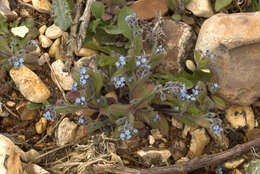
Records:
x=188, y=166
x=84, y=19
x=72, y=44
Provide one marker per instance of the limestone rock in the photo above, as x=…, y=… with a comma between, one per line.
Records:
x=156, y=157
x=235, y=40
x=20, y=31
x=35, y=169
x=31, y=155
x=54, y=48
x=201, y=8
x=65, y=132
x=45, y=41
x=64, y=78
x=231, y=30
x=178, y=44
x=41, y=125
x=53, y=32
x=42, y=29
x=10, y=154
x=86, y=52
x=239, y=117
x=148, y=9
x=29, y=84
x=42, y=4
x=233, y=163
x=43, y=59
x=6, y=11
x=199, y=141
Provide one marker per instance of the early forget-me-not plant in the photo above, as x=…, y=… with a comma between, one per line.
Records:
x=123, y=91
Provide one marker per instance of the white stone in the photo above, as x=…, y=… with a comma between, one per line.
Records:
x=42, y=29
x=151, y=139
x=64, y=78
x=35, y=169
x=151, y=155
x=86, y=52
x=241, y=116
x=65, y=132
x=199, y=141
x=54, y=48
x=29, y=84
x=45, y=41
x=10, y=154
x=20, y=31
x=201, y=8
x=53, y=32
x=42, y=4
x=43, y=59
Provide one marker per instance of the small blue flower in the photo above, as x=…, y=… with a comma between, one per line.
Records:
x=119, y=81
x=81, y=100
x=138, y=63
x=135, y=131
x=216, y=85
x=122, y=136
x=18, y=62
x=127, y=132
x=156, y=117
x=216, y=129
x=219, y=171
x=74, y=86
x=143, y=60
x=83, y=70
x=176, y=108
x=48, y=115
x=121, y=62
x=81, y=120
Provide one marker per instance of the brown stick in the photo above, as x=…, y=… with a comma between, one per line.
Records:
x=72, y=44
x=188, y=166
x=84, y=24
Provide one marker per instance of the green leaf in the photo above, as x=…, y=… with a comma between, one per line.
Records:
x=220, y=102
x=34, y=106
x=62, y=14
x=98, y=81
x=122, y=24
x=220, y=4
x=197, y=57
x=67, y=108
x=203, y=63
x=97, y=9
x=163, y=125
x=112, y=29
x=176, y=17
x=94, y=24
x=171, y=5
x=3, y=25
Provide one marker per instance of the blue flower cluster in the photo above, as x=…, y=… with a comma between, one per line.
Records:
x=141, y=61
x=127, y=134
x=82, y=120
x=48, y=115
x=186, y=96
x=84, y=76
x=216, y=128
x=209, y=54
x=132, y=21
x=214, y=87
x=75, y=86
x=81, y=100
x=176, y=108
x=159, y=50
x=156, y=118
x=121, y=62
x=219, y=171
x=119, y=81
x=18, y=63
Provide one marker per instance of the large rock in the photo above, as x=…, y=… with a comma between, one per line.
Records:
x=235, y=40
x=148, y=9
x=178, y=44
x=201, y=8
x=66, y=132
x=29, y=84
x=64, y=78
x=10, y=154
x=42, y=4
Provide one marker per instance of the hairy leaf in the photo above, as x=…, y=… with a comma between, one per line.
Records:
x=62, y=14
